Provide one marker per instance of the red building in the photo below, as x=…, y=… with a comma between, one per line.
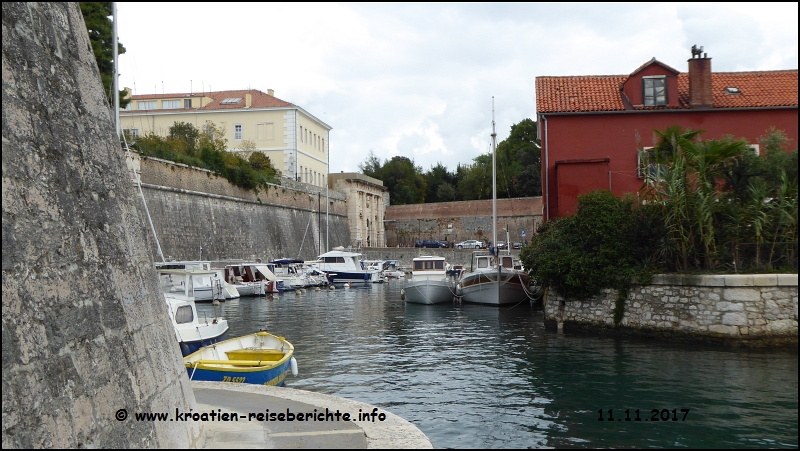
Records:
x=588, y=124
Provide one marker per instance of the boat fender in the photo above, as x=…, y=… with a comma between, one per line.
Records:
x=402, y=295
x=184, y=349
x=293, y=365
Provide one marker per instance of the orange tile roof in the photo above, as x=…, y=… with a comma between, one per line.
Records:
x=579, y=93
x=259, y=99
x=758, y=89
x=602, y=93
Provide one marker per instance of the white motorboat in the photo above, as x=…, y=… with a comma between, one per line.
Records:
x=343, y=267
x=209, y=284
x=253, y=279
x=294, y=273
x=192, y=332
x=429, y=282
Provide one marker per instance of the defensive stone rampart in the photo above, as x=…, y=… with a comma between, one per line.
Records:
x=752, y=309
x=87, y=340
x=193, y=208
x=466, y=220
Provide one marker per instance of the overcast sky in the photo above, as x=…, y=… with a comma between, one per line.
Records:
x=417, y=79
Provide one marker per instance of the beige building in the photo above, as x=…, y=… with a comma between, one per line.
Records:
x=296, y=142
x=367, y=200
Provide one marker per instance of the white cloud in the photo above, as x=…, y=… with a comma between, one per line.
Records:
x=417, y=79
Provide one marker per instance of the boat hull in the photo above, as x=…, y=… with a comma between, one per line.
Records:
x=272, y=376
x=428, y=291
x=493, y=287
x=189, y=347
x=354, y=277
x=260, y=358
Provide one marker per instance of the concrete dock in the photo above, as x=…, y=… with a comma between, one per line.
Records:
x=281, y=417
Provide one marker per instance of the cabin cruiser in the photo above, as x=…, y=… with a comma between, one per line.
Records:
x=209, y=284
x=191, y=332
x=255, y=279
x=344, y=267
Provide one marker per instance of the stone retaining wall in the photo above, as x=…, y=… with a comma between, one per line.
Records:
x=465, y=220
x=193, y=208
x=752, y=309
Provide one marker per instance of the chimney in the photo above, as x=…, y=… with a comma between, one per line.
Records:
x=248, y=100
x=700, y=95
x=271, y=92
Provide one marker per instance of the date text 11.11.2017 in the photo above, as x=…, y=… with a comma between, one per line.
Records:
x=634, y=415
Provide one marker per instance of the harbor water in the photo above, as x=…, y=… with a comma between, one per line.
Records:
x=471, y=376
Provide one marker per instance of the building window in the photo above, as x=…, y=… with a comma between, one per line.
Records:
x=323, y=145
x=647, y=164
x=237, y=131
x=655, y=91
x=187, y=103
x=170, y=104
x=231, y=101
x=754, y=148
x=129, y=106
x=146, y=105
x=132, y=132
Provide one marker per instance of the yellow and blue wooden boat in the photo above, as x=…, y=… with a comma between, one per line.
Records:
x=260, y=358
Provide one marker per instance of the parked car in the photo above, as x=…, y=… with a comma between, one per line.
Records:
x=502, y=245
x=517, y=245
x=469, y=244
x=432, y=243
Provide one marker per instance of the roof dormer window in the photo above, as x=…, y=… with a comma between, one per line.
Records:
x=231, y=101
x=732, y=90
x=654, y=90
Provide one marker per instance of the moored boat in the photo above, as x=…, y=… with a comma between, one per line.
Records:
x=343, y=267
x=259, y=358
x=190, y=331
x=253, y=279
x=494, y=281
x=429, y=282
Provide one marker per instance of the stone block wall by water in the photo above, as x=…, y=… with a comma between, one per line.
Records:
x=192, y=208
x=754, y=308
x=465, y=220
x=85, y=327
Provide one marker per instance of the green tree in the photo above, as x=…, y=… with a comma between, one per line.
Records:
x=435, y=178
x=476, y=181
x=519, y=162
x=97, y=16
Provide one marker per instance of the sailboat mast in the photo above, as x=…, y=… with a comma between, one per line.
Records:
x=494, y=182
x=115, y=84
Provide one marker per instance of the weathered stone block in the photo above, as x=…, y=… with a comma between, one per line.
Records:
x=729, y=306
x=734, y=319
x=782, y=327
x=742, y=294
x=765, y=280
x=738, y=280
x=731, y=331
x=787, y=280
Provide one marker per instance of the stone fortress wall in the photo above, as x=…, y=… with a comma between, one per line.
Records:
x=86, y=334
x=193, y=208
x=465, y=220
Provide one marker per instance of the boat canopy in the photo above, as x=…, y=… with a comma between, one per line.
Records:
x=287, y=261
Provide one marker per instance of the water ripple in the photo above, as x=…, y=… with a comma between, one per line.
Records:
x=486, y=377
